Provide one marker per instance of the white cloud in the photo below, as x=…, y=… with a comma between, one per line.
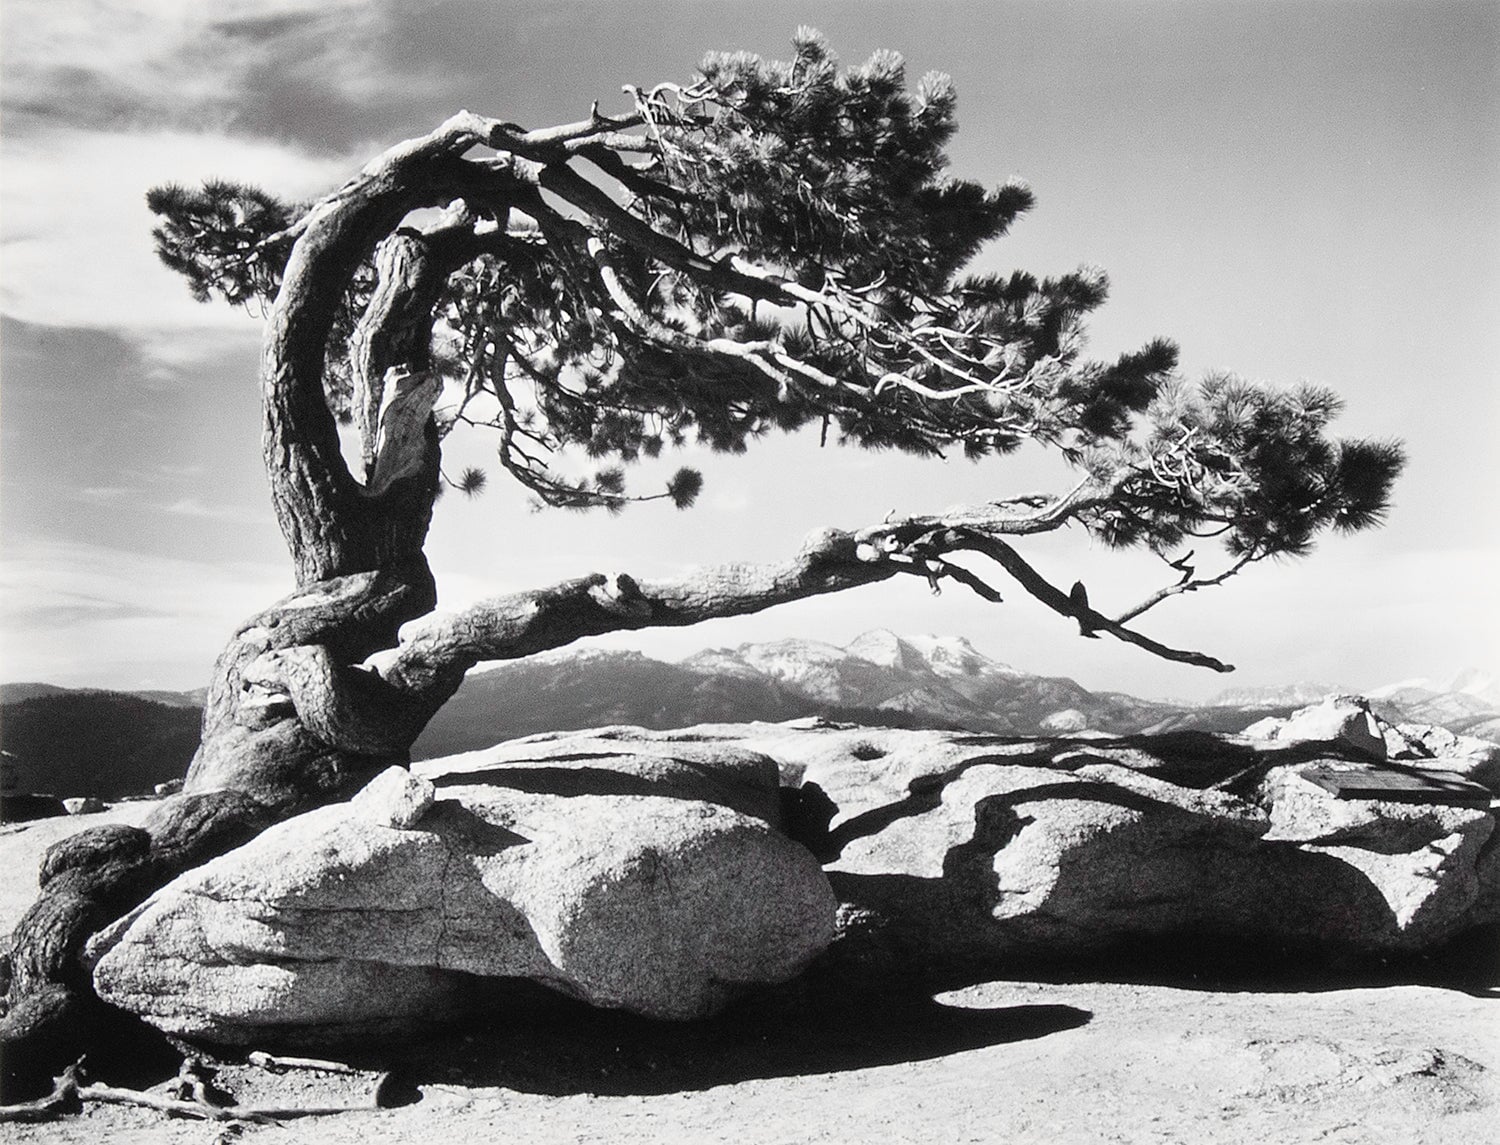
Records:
x=173, y=353
x=104, y=494
x=175, y=60
x=87, y=614
x=75, y=235
x=240, y=515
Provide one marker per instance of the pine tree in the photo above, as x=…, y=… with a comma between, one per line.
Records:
x=772, y=246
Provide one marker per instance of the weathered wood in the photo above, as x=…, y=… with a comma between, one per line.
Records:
x=61, y=1101
x=275, y=1063
x=1395, y=783
x=70, y=1092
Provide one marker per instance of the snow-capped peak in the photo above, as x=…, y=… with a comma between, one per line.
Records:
x=941, y=655
x=1473, y=682
x=1465, y=682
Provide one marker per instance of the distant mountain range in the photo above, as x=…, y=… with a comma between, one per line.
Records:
x=72, y=742
x=880, y=678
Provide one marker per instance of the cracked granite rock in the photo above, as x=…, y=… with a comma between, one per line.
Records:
x=618, y=876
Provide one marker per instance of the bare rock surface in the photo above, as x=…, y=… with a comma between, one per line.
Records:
x=1126, y=1059
x=611, y=875
x=1343, y=720
x=1466, y=755
x=946, y=847
x=625, y=761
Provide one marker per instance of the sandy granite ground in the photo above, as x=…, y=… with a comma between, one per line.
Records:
x=999, y=1061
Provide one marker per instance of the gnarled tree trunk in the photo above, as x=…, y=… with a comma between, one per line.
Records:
x=290, y=720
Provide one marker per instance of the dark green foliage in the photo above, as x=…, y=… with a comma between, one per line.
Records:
x=818, y=169
x=472, y=482
x=1249, y=464
x=684, y=487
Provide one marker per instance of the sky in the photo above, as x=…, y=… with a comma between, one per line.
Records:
x=1292, y=191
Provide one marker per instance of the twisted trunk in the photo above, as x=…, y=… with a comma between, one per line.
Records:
x=289, y=720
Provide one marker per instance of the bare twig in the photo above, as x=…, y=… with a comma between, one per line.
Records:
x=278, y=1064
x=1187, y=584
x=70, y=1091
x=1059, y=601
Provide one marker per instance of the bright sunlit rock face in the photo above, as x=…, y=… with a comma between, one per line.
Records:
x=650, y=880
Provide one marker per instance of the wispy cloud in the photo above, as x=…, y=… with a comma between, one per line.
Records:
x=104, y=494
x=83, y=613
x=104, y=99
x=76, y=235
x=117, y=64
x=144, y=496
x=236, y=514
x=173, y=356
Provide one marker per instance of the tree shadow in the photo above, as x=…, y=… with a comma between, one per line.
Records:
x=565, y=782
x=571, y=776
x=548, y=1044
x=1190, y=759
x=480, y=837
x=1467, y=964
x=1174, y=943
x=1186, y=958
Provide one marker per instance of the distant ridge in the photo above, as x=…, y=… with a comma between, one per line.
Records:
x=17, y=693
x=1301, y=693
x=96, y=742
x=69, y=742
x=879, y=678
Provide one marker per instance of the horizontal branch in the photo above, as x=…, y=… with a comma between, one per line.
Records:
x=464, y=129
x=525, y=623
x=831, y=560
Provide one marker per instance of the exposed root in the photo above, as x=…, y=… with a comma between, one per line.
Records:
x=62, y=1101
x=192, y=1094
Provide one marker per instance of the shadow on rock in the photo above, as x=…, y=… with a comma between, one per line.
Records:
x=1469, y=964
x=559, y=1047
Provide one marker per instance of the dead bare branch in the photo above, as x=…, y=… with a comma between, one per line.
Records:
x=1188, y=583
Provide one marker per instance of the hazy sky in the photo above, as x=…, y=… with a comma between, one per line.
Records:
x=1305, y=190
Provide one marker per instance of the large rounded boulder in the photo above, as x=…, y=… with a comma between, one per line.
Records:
x=650, y=878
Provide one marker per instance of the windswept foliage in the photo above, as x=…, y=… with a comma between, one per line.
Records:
x=777, y=244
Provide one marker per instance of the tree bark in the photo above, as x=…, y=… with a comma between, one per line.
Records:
x=288, y=722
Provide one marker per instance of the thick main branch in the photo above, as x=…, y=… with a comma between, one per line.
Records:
x=831, y=560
